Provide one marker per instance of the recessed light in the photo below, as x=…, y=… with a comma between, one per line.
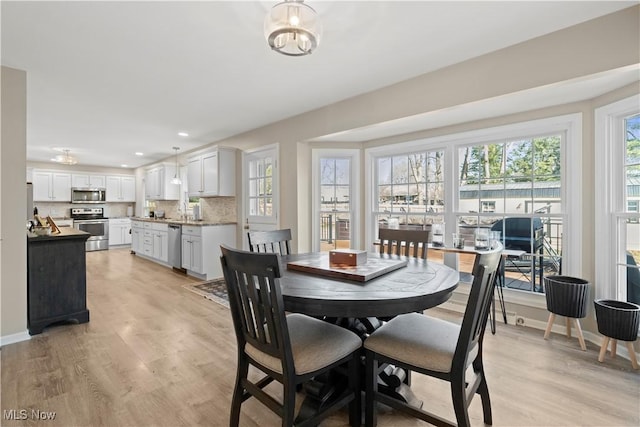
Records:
x=139, y=153
x=183, y=134
x=124, y=166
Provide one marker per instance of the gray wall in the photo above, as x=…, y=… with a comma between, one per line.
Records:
x=13, y=196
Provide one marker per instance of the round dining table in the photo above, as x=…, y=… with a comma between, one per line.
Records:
x=412, y=285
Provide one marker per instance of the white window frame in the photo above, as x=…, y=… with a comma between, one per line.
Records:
x=610, y=158
x=247, y=156
x=569, y=125
x=354, y=182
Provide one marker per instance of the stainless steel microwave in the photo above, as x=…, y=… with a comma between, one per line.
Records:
x=88, y=195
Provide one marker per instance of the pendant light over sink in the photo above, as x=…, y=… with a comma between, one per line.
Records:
x=292, y=28
x=176, y=180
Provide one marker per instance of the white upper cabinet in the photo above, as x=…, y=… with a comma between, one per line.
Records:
x=51, y=186
x=82, y=180
x=158, y=184
x=212, y=173
x=121, y=188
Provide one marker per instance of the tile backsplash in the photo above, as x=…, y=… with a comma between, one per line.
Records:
x=63, y=210
x=222, y=209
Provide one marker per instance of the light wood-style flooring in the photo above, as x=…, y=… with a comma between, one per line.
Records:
x=155, y=354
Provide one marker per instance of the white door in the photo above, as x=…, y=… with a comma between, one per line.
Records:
x=260, y=190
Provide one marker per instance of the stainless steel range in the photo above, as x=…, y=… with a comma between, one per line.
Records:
x=92, y=221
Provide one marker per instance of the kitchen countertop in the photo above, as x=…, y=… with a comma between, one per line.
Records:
x=183, y=222
x=65, y=233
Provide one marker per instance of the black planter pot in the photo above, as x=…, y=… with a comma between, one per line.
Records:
x=567, y=296
x=618, y=319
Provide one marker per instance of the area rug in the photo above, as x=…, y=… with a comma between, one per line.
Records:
x=214, y=290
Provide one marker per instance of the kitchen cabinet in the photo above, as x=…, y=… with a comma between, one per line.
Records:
x=161, y=245
x=155, y=241
x=120, y=188
x=137, y=236
x=158, y=184
x=192, y=249
x=51, y=186
x=119, y=231
x=212, y=173
x=201, y=248
x=87, y=180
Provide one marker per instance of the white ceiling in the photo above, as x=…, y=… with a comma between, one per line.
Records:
x=107, y=79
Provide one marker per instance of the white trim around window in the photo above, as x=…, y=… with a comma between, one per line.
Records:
x=609, y=200
x=354, y=181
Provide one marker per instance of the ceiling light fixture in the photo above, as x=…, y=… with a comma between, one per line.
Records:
x=65, y=159
x=183, y=134
x=176, y=180
x=292, y=28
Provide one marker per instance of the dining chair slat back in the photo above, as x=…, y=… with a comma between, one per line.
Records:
x=439, y=349
x=271, y=241
x=411, y=243
x=288, y=348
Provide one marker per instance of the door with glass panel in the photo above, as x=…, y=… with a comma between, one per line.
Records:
x=260, y=173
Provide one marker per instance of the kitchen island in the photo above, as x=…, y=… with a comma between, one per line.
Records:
x=56, y=278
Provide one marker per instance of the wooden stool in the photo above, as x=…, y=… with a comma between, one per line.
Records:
x=614, y=347
x=552, y=318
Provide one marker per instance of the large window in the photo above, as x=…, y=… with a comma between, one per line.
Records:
x=515, y=187
x=335, y=199
x=516, y=179
x=617, y=199
x=410, y=189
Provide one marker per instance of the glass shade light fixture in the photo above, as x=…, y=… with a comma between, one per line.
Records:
x=176, y=179
x=292, y=28
x=66, y=158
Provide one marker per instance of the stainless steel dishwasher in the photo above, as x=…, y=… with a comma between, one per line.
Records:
x=175, y=246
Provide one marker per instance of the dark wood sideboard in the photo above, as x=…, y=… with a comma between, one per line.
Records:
x=56, y=279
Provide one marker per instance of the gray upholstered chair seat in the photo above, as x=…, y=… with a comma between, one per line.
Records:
x=314, y=344
x=418, y=340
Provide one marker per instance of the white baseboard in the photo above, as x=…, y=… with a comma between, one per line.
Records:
x=14, y=338
x=559, y=328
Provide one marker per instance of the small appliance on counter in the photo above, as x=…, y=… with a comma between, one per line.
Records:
x=196, y=213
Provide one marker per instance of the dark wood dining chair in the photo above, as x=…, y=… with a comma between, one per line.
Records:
x=411, y=243
x=272, y=241
x=290, y=349
x=439, y=349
